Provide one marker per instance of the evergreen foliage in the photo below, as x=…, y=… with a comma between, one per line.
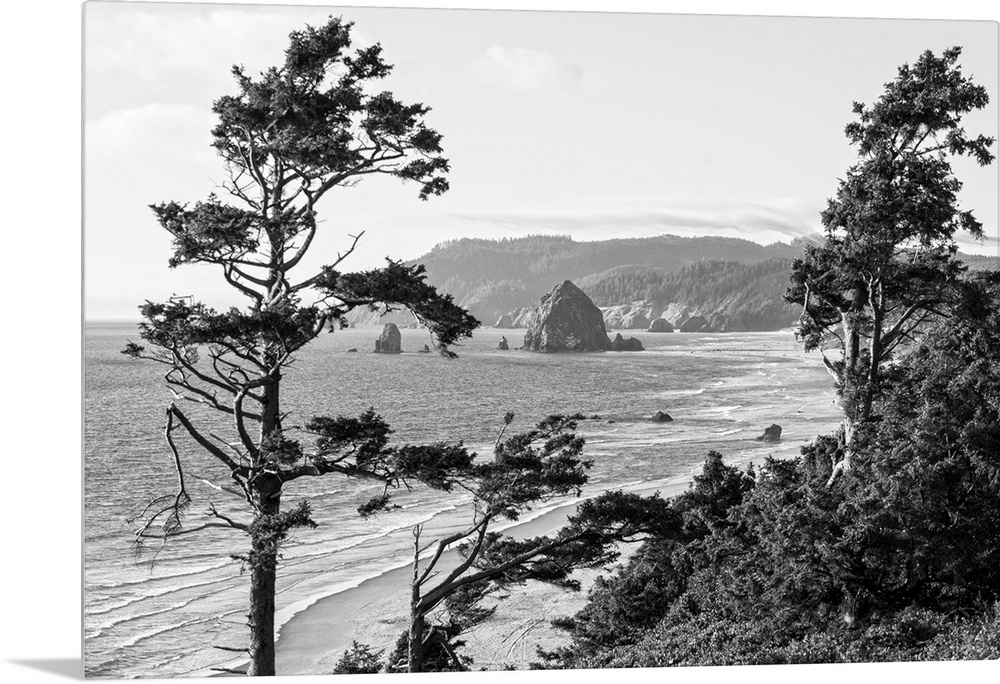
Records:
x=897, y=563
x=359, y=659
x=528, y=469
x=889, y=262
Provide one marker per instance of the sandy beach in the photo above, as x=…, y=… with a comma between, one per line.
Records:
x=375, y=612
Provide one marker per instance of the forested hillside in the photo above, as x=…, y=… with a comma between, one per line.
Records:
x=732, y=295
x=735, y=284
x=494, y=277
x=979, y=262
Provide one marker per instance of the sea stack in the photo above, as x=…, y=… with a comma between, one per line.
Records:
x=625, y=344
x=771, y=434
x=566, y=320
x=389, y=342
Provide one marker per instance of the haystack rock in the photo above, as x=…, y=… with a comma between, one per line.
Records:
x=660, y=325
x=630, y=344
x=389, y=342
x=503, y=346
x=771, y=434
x=566, y=320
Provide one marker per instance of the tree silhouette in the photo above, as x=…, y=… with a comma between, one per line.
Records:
x=888, y=265
x=287, y=138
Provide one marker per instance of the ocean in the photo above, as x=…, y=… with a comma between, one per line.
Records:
x=160, y=611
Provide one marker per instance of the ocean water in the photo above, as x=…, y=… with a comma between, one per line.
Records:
x=160, y=611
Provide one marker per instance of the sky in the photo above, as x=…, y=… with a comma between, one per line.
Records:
x=593, y=125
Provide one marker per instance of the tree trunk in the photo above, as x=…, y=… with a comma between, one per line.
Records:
x=848, y=398
x=874, y=364
x=264, y=551
x=861, y=398
x=263, y=568
x=415, y=646
x=261, y=617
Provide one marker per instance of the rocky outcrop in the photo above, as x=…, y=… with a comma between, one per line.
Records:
x=518, y=318
x=503, y=346
x=720, y=322
x=661, y=417
x=633, y=316
x=363, y=316
x=642, y=314
x=631, y=344
x=660, y=325
x=696, y=324
x=771, y=434
x=389, y=342
x=566, y=320
x=677, y=313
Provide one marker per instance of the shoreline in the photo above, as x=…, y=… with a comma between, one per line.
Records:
x=312, y=634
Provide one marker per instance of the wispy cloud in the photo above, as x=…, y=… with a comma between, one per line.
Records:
x=520, y=68
x=756, y=221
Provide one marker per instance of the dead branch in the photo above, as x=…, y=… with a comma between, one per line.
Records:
x=203, y=441
x=243, y=527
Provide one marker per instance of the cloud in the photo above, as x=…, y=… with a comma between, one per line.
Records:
x=762, y=222
x=519, y=68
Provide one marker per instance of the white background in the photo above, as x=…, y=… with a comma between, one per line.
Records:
x=40, y=287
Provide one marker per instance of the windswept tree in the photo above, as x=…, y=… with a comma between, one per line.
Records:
x=888, y=265
x=528, y=469
x=287, y=138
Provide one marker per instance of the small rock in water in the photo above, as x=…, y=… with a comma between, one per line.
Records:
x=771, y=434
x=353, y=349
x=621, y=344
x=503, y=344
x=661, y=417
x=425, y=350
x=660, y=325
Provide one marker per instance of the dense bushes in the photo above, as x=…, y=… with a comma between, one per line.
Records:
x=898, y=561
